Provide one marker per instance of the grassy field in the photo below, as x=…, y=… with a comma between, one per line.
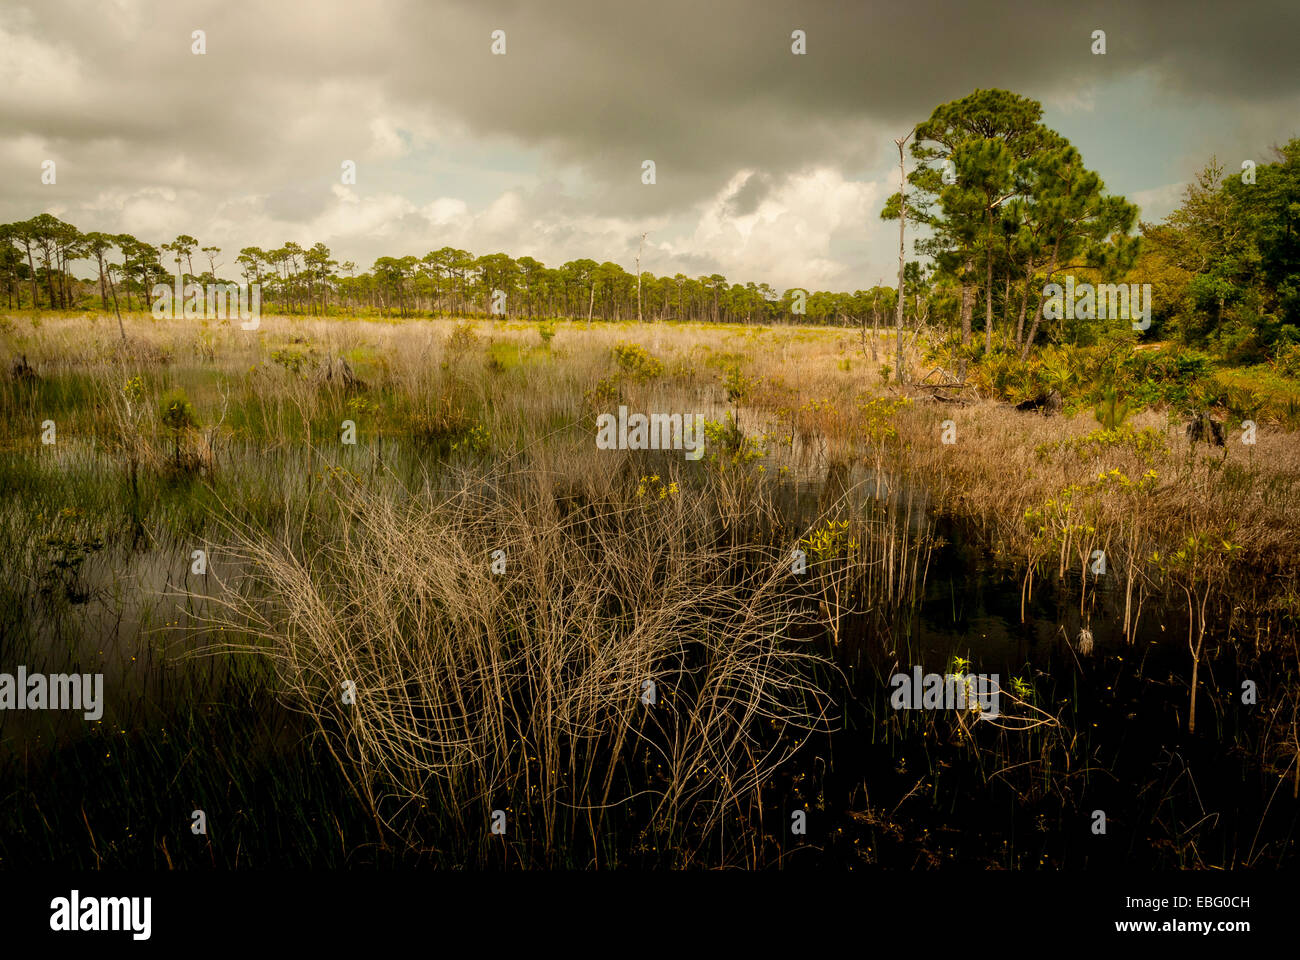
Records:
x=450, y=623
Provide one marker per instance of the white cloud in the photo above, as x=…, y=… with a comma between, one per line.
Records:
x=34, y=73
x=386, y=141
x=788, y=239
x=446, y=210
x=1158, y=202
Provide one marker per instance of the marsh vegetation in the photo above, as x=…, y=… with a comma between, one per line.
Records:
x=496, y=592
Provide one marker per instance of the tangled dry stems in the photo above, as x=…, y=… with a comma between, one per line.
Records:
x=523, y=690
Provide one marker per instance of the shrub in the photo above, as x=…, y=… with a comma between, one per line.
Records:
x=738, y=386
x=176, y=411
x=461, y=338
x=178, y=416
x=292, y=360
x=442, y=423
x=1112, y=411
x=1176, y=377
x=637, y=362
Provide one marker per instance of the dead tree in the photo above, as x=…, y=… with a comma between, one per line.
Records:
x=902, y=227
x=1205, y=429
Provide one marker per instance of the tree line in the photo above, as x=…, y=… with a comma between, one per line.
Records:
x=1006, y=206
x=37, y=255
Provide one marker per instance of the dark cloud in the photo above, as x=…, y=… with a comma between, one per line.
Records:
x=705, y=89
x=701, y=88
x=746, y=198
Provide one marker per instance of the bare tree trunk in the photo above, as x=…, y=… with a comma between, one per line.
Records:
x=639, y=318
x=103, y=293
x=1033, y=329
x=967, y=307
x=120, y=327
x=902, y=228
x=1006, y=302
x=1038, y=313
x=50, y=260
x=1024, y=306
x=988, y=287
x=31, y=266
x=864, y=338
x=922, y=315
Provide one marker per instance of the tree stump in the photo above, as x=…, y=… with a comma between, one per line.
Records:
x=22, y=371
x=1204, y=429
x=338, y=373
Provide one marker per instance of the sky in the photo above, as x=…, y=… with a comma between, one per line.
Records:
x=770, y=166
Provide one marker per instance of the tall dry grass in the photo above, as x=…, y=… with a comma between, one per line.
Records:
x=523, y=691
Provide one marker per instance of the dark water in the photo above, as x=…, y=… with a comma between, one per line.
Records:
x=880, y=791
x=1217, y=798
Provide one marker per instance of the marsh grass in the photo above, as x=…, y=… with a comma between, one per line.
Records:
x=521, y=692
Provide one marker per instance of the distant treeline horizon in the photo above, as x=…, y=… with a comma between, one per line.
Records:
x=1007, y=206
x=37, y=256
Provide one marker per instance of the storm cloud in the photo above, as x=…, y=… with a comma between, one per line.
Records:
x=769, y=166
